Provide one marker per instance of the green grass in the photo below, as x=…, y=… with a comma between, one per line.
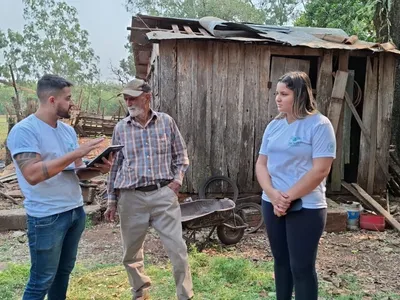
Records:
x=214, y=278
x=12, y=281
x=88, y=223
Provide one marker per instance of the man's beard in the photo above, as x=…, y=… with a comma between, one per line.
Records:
x=64, y=114
x=135, y=111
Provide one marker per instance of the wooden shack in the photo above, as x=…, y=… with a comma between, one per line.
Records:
x=217, y=80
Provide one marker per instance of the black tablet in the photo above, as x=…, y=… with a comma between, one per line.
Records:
x=105, y=153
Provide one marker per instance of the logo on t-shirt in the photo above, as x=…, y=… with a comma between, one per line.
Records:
x=71, y=147
x=294, y=141
x=331, y=147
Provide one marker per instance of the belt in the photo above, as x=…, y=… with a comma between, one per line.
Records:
x=153, y=187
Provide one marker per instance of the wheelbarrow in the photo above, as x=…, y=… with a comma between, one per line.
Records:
x=212, y=214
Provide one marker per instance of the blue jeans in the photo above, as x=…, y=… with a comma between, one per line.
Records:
x=53, y=244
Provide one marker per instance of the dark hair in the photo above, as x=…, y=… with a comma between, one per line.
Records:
x=51, y=85
x=304, y=103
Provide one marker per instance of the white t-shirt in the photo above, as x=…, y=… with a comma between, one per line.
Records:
x=290, y=149
x=59, y=193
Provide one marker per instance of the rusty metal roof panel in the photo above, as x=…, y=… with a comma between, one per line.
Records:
x=324, y=38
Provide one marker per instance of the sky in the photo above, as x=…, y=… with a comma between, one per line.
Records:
x=105, y=20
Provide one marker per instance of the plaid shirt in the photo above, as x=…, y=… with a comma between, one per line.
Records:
x=152, y=153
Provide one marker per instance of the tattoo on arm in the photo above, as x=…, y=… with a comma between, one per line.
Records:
x=45, y=171
x=25, y=159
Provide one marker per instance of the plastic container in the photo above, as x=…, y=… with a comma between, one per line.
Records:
x=353, y=215
x=372, y=222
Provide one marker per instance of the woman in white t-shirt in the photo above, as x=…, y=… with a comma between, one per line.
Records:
x=296, y=155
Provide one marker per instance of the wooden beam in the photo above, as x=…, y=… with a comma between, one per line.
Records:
x=336, y=173
x=324, y=83
x=9, y=198
x=338, y=92
x=339, y=87
x=386, y=86
x=369, y=102
x=356, y=194
x=204, y=32
x=347, y=117
x=344, y=61
x=175, y=28
x=365, y=133
x=372, y=150
x=188, y=30
x=296, y=51
x=377, y=207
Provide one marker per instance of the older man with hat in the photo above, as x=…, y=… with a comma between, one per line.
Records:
x=143, y=185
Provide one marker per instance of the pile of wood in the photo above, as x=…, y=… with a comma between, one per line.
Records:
x=394, y=170
x=10, y=192
x=92, y=125
x=94, y=192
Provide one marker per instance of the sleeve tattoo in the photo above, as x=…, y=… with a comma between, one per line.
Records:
x=27, y=158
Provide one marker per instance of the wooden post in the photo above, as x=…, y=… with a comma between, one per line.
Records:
x=87, y=103
x=324, y=84
x=336, y=115
x=369, y=104
x=387, y=70
x=372, y=149
x=347, y=121
x=98, y=106
x=80, y=99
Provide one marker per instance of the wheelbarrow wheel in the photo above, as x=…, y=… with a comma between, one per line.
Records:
x=218, y=178
x=251, y=213
x=230, y=236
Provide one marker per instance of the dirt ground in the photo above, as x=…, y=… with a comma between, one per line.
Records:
x=372, y=257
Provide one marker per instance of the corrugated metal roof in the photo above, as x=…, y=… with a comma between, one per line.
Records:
x=324, y=38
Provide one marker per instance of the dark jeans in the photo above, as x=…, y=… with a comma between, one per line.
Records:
x=294, y=242
x=53, y=244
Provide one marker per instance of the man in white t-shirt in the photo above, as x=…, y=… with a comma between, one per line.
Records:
x=42, y=147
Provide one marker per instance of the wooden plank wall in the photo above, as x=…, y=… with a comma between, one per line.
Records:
x=387, y=69
x=324, y=82
x=370, y=100
x=218, y=94
x=376, y=117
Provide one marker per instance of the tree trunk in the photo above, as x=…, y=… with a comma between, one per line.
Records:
x=383, y=17
x=11, y=123
x=395, y=34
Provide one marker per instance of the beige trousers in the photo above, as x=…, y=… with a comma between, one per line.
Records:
x=160, y=209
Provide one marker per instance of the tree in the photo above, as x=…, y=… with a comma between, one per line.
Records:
x=276, y=12
x=230, y=10
x=126, y=68
x=281, y=12
x=353, y=16
x=52, y=41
